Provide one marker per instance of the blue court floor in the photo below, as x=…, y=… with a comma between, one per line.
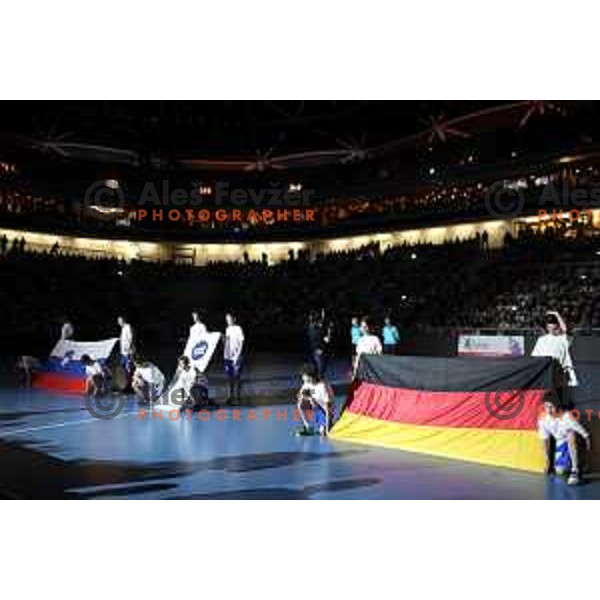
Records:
x=51, y=447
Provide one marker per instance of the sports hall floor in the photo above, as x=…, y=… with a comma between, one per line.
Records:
x=51, y=447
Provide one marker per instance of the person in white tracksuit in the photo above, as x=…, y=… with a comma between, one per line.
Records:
x=232, y=357
x=126, y=347
x=67, y=331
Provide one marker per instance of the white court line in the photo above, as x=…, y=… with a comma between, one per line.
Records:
x=63, y=424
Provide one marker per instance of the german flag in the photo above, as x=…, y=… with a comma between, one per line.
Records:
x=475, y=409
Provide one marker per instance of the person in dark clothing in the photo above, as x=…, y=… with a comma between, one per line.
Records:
x=319, y=338
x=485, y=243
x=313, y=332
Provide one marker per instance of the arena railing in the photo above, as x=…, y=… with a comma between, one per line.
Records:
x=588, y=331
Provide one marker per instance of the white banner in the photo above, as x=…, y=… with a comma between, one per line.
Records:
x=491, y=345
x=75, y=350
x=201, y=350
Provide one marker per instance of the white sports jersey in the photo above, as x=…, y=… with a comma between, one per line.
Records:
x=126, y=340
x=67, y=332
x=94, y=369
x=234, y=342
x=186, y=380
x=319, y=392
x=151, y=374
x=197, y=330
x=368, y=344
x=559, y=426
x=557, y=347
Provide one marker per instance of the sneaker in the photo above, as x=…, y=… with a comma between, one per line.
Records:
x=574, y=478
x=304, y=431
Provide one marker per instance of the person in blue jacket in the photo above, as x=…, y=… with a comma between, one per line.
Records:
x=355, y=334
x=391, y=337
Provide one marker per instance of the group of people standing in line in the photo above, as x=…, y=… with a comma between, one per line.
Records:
x=189, y=389
x=364, y=339
x=362, y=336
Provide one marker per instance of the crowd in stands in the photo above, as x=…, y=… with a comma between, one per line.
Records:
x=18, y=202
x=457, y=285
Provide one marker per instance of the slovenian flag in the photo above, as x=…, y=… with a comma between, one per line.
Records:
x=475, y=409
x=63, y=370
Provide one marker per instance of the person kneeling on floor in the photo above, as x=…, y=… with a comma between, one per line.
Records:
x=190, y=389
x=561, y=428
x=316, y=395
x=148, y=382
x=95, y=377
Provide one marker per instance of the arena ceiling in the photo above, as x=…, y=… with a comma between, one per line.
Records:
x=334, y=141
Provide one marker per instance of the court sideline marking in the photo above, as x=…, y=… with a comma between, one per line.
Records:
x=63, y=424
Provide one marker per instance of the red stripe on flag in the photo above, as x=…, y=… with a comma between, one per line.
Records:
x=485, y=410
x=59, y=383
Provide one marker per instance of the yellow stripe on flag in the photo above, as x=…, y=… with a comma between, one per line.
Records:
x=516, y=449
